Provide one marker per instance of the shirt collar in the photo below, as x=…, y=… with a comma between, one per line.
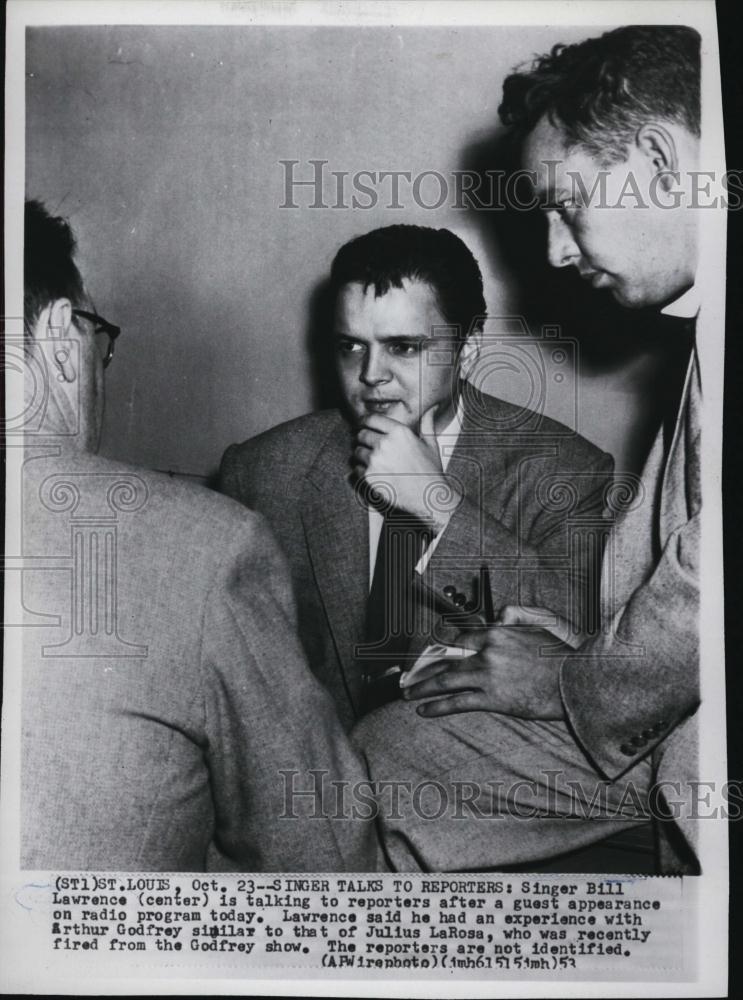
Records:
x=447, y=438
x=686, y=306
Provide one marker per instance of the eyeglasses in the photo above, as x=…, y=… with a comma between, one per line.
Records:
x=105, y=333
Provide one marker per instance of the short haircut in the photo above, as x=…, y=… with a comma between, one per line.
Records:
x=49, y=270
x=602, y=90
x=384, y=257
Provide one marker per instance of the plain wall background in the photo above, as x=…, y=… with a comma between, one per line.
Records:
x=162, y=147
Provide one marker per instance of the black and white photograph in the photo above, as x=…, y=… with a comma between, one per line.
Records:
x=363, y=564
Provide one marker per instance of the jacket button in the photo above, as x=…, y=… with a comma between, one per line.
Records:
x=649, y=733
x=638, y=741
x=450, y=591
x=460, y=600
x=627, y=750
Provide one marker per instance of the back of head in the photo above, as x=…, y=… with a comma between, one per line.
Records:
x=49, y=270
x=383, y=258
x=61, y=343
x=601, y=91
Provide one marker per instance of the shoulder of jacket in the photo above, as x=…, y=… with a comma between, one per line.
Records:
x=530, y=425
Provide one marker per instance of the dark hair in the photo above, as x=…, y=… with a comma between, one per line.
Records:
x=49, y=271
x=602, y=90
x=384, y=257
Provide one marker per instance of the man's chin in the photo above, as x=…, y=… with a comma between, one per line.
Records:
x=627, y=299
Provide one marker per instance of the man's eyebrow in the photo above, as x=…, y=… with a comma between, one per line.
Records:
x=554, y=199
x=383, y=338
x=405, y=338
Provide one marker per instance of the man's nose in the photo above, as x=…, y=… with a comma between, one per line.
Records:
x=374, y=370
x=562, y=250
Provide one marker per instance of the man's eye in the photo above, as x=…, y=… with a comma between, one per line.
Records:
x=345, y=346
x=405, y=348
x=567, y=206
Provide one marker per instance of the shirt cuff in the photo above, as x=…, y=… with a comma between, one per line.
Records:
x=430, y=549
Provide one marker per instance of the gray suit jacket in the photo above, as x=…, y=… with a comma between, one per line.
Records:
x=163, y=689
x=634, y=689
x=532, y=511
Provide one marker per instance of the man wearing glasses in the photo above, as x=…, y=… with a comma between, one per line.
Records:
x=163, y=692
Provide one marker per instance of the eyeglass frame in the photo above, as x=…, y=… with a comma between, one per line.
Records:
x=102, y=326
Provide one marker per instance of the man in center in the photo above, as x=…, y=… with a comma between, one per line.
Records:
x=423, y=504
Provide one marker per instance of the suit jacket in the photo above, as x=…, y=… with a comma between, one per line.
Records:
x=163, y=689
x=532, y=511
x=633, y=690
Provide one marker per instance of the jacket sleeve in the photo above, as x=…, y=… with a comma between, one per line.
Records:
x=543, y=548
x=273, y=741
x=628, y=688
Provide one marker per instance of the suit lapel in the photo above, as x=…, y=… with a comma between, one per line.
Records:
x=336, y=527
x=491, y=431
x=632, y=549
x=679, y=497
x=478, y=456
x=670, y=497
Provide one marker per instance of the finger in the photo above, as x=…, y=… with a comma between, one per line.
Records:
x=380, y=423
x=464, y=701
x=472, y=638
x=424, y=672
x=368, y=438
x=426, y=429
x=361, y=456
x=446, y=682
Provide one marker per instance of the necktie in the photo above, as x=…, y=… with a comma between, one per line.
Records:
x=392, y=610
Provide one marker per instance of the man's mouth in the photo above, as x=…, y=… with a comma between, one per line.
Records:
x=599, y=279
x=379, y=405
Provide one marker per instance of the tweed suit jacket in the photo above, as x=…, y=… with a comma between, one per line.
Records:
x=634, y=689
x=532, y=490
x=163, y=689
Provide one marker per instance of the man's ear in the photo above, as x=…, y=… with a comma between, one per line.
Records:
x=58, y=334
x=60, y=318
x=658, y=145
x=469, y=353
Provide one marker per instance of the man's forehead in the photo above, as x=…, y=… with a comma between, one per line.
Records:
x=549, y=159
x=415, y=299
